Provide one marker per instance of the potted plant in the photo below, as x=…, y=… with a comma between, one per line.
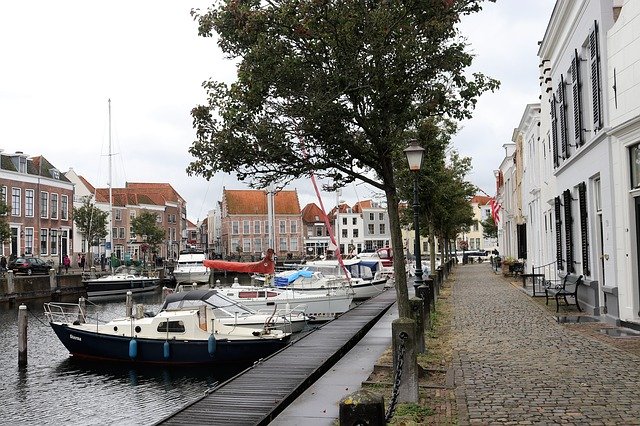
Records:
x=507, y=263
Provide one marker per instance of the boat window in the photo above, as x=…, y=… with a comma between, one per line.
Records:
x=173, y=327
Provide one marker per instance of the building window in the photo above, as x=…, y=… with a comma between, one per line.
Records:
x=114, y=232
x=246, y=245
x=64, y=210
x=158, y=218
x=354, y=221
x=22, y=165
x=235, y=244
x=28, y=240
x=28, y=203
x=132, y=233
x=257, y=244
x=318, y=231
x=132, y=214
x=53, y=241
x=245, y=227
x=3, y=194
x=266, y=226
x=257, y=229
x=371, y=216
x=16, y=200
x=117, y=214
x=355, y=233
x=294, y=244
x=235, y=227
x=294, y=226
x=371, y=229
x=121, y=235
x=634, y=161
x=381, y=216
x=283, y=244
x=345, y=233
x=283, y=226
x=44, y=237
x=383, y=229
x=54, y=206
x=344, y=220
x=44, y=205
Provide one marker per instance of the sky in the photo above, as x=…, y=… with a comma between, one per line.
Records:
x=62, y=61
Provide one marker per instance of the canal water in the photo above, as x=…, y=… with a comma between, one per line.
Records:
x=55, y=389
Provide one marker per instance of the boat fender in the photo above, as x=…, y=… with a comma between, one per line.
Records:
x=211, y=345
x=256, y=333
x=133, y=348
x=166, y=349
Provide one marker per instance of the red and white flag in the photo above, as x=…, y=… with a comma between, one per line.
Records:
x=495, y=210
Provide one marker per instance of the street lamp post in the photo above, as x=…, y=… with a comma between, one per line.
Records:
x=60, y=250
x=414, y=153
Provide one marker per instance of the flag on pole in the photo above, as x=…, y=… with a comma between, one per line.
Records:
x=495, y=210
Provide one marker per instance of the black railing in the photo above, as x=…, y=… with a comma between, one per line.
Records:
x=541, y=277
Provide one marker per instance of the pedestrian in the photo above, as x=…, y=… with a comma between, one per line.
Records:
x=82, y=262
x=103, y=261
x=66, y=261
x=3, y=264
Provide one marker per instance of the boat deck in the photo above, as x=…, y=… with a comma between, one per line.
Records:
x=259, y=394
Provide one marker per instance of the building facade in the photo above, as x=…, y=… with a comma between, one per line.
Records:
x=39, y=198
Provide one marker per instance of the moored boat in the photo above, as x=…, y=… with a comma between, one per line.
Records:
x=182, y=333
x=190, y=268
x=121, y=281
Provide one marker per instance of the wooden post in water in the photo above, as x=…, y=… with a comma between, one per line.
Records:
x=11, y=287
x=129, y=304
x=82, y=309
x=22, y=335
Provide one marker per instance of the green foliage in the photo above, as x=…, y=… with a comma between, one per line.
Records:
x=146, y=223
x=331, y=88
x=91, y=221
x=489, y=228
x=5, y=230
x=411, y=412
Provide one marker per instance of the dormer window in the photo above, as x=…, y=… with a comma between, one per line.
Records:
x=55, y=173
x=22, y=165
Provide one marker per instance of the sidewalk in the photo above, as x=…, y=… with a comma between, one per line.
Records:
x=515, y=364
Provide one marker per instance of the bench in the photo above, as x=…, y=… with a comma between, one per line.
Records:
x=569, y=287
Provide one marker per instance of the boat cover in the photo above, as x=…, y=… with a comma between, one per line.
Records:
x=265, y=266
x=285, y=280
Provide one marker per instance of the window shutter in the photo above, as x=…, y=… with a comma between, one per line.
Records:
x=595, y=77
x=584, y=230
x=568, y=232
x=558, y=234
x=577, y=99
x=563, y=118
x=554, y=130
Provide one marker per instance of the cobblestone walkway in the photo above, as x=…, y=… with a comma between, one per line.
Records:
x=514, y=364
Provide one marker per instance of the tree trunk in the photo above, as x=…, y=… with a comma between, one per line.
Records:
x=399, y=270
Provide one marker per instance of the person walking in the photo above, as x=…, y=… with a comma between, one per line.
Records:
x=66, y=261
x=82, y=260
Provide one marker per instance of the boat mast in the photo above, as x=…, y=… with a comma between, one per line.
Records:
x=109, y=235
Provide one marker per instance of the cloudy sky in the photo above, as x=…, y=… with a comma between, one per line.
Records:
x=63, y=60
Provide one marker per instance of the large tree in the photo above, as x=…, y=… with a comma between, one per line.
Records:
x=331, y=87
x=91, y=222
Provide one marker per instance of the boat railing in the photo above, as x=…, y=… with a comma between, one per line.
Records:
x=68, y=313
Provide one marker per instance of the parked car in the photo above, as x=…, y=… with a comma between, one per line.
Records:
x=29, y=265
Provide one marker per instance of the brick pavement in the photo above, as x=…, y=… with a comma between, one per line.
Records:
x=514, y=364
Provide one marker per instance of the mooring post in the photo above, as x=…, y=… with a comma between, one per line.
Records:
x=129, y=304
x=417, y=312
x=52, y=279
x=404, y=343
x=82, y=309
x=362, y=407
x=92, y=273
x=423, y=293
x=11, y=287
x=22, y=335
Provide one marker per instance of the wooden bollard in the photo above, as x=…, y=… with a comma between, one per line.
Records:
x=362, y=408
x=22, y=335
x=404, y=335
x=418, y=314
x=82, y=309
x=128, y=305
x=53, y=283
x=11, y=287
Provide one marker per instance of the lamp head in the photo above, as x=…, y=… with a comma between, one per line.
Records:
x=414, y=153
